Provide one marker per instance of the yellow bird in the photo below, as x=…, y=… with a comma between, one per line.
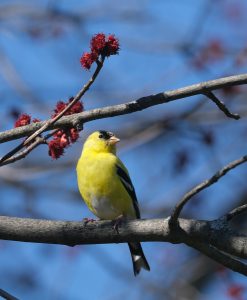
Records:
x=106, y=187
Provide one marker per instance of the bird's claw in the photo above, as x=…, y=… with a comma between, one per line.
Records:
x=88, y=220
x=117, y=222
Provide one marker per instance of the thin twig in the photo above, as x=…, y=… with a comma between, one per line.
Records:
x=221, y=105
x=24, y=153
x=126, y=108
x=52, y=121
x=38, y=141
x=6, y=295
x=236, y=212
x=179, y=206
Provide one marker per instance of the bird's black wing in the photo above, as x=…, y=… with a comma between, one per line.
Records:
x=126, y=181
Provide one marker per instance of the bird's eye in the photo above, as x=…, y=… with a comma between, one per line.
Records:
x=100, y=136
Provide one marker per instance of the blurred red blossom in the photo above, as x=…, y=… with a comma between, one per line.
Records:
x=64, y=140
x=234, y=11
x=76, y=108
x=231, y=90
x=23, y=120
x=236, y=291
x=242, y=57
x=60, y=106
x=214, y=49
x=61, y=140
x=74, y=135
x=55, y=149
x=212, y=52
x=35, y=120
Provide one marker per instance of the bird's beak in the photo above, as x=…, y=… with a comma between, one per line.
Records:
x=113, y=140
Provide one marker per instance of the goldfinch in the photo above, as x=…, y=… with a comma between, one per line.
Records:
x=106, y=187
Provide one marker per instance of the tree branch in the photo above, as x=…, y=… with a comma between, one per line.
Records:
x=10, y=158
x=200, y=235
x=221, y=105
x=236, y=212
x=127, y=108
x=205, y=184
x=6, y=295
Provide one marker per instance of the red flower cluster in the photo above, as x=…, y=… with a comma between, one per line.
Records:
x=76, y=108
x=100, y=45
x=24, y=119
x=63, y=138
x=87, y=60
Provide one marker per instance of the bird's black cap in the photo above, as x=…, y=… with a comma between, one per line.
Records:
x=105, y=134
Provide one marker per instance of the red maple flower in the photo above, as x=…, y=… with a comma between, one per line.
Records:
x=98, y=43
x=87, y=59
x=23, y=120
x=35, y=120
x=76, y=108
x=112, y=45
x=64, y=140
x=64, y=137
x=58, y=134
x=74, y=135
x=55, y=149
x=60, y=106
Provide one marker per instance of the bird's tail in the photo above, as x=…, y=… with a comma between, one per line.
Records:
x=138, y=258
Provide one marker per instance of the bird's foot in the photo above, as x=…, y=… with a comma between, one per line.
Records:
x=117, y=222
x=88, y=220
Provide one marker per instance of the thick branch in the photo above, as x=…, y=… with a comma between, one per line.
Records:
x=191, y=232
x=127, y=108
